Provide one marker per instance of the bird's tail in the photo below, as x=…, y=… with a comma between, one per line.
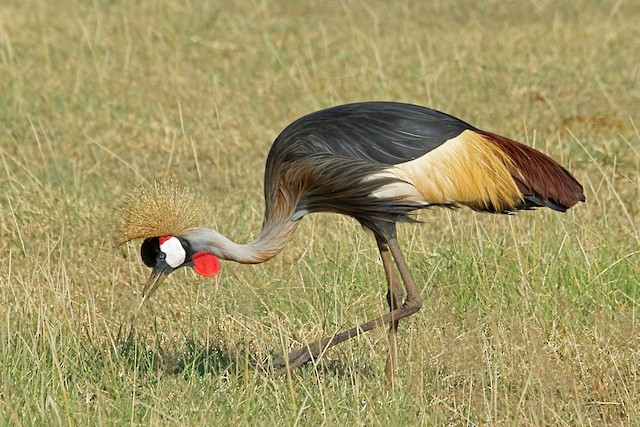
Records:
x=542, y=181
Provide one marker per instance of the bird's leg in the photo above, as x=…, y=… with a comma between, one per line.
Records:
x=411, y=304
x=395, y=294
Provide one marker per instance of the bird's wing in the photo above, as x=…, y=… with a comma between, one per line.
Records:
x=435, y=158
x=384, y=132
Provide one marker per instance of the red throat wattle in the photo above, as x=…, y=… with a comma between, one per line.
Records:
x=206, y=264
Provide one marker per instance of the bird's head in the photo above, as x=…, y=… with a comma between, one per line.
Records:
x=164, y=214
x=166, y=254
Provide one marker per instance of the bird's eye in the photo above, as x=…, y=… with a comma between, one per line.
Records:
x=162, y=255
x=148, y=251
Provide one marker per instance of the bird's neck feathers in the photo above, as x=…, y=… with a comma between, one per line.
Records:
x=268, y=244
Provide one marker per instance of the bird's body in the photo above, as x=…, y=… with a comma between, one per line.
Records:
x=377, y=162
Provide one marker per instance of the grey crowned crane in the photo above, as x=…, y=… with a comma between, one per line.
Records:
x=374, y=161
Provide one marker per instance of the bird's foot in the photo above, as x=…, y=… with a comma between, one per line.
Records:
x=296, y=358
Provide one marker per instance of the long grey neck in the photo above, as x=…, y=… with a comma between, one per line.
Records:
x=267, y=245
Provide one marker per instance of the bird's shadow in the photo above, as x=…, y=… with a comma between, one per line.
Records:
x=144, y=352
x=191, y=356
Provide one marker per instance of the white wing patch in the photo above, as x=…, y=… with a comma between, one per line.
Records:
x=403, y=190
x=174, y=251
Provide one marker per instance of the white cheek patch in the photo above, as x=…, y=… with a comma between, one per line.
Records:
x=174, y=251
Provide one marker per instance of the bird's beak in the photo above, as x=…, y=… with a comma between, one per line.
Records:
x=160, y=272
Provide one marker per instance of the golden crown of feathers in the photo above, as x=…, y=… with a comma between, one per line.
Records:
x=162, y=208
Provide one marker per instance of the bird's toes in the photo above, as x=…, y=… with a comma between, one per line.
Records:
x=282, y=360
x=276, y=362
x=293, y=360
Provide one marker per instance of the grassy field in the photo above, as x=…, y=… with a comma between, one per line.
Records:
x=530, y=319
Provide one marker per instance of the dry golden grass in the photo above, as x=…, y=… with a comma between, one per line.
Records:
x=530, y=319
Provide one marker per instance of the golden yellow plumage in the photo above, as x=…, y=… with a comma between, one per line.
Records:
x=162, y=208
x=467, y=170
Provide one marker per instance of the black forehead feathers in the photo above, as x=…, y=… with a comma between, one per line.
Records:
x=149, y=250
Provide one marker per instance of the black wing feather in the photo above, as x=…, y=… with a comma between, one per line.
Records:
x=383, y=132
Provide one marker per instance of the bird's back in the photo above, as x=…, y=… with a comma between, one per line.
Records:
x=382, y=132
x=377, y=161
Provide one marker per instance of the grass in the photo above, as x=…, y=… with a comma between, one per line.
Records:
x=530, y=319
